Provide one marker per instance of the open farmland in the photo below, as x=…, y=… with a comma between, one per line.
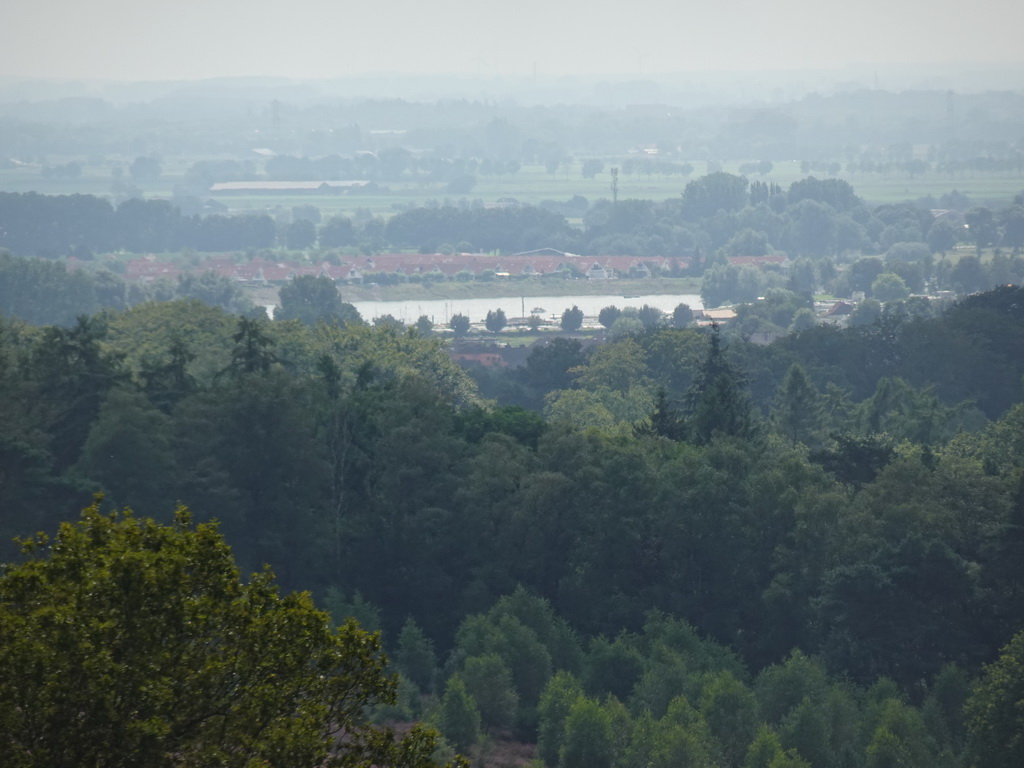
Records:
x=532, y=184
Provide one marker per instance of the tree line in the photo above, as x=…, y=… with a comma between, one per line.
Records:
x=718, y=215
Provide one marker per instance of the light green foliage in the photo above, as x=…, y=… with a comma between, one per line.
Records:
x=730, y=710
x=624, y=327
x=789, y=759
x=667, y=676
x=620, y=367
x=556, y=701
x=311, y=299
x=144, y=334
x=843, y=715
x=622, y=726
x=515, y=643
x=682, y=738
x=388, y=321
x=147, y=649
x=766, y=751
x=763, y=749
x=995, y=717
x=806, y=730
x=553, y=631
x=588, y=741
x=889, y=287
x=579, y=408
x=415, y=656
x=797, y=411
x=768, y=316
x=1000, y=445
x=639, y=752
x=459, y=717
x=384, y=354
x=782, y=687
x=720, y=285
x=424, y=325
x=489, y=681
x=900, y=739
x=902, y=411
x=678, y=662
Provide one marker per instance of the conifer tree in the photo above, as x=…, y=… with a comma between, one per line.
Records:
x=717, y=402
x=797, y=411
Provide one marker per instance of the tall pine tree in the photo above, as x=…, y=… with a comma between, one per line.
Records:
x=717, y=402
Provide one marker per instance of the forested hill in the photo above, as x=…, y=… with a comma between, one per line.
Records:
x=849, y=500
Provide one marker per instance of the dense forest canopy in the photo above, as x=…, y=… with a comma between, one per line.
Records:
x=697, y=516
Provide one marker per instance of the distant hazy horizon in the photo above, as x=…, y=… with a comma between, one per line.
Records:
x=127, y=40
x=689, y=89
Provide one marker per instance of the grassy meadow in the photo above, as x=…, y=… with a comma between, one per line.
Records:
x=532, y=184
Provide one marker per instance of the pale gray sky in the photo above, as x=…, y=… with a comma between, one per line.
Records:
x=191, y=39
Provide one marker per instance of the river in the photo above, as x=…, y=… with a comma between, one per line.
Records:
x=440, y=311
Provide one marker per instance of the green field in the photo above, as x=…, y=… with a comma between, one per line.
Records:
x=531, y=184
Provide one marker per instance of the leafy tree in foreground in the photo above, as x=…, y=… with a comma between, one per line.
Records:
x=125, y=642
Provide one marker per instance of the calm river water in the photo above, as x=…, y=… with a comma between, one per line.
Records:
x=441, y=310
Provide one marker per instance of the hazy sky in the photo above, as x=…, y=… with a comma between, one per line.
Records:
x=189, y=39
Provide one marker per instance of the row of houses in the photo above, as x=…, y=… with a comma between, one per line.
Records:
x=546, y=263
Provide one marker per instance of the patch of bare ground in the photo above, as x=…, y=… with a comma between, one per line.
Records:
x=502, y=753
x=496, y=751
